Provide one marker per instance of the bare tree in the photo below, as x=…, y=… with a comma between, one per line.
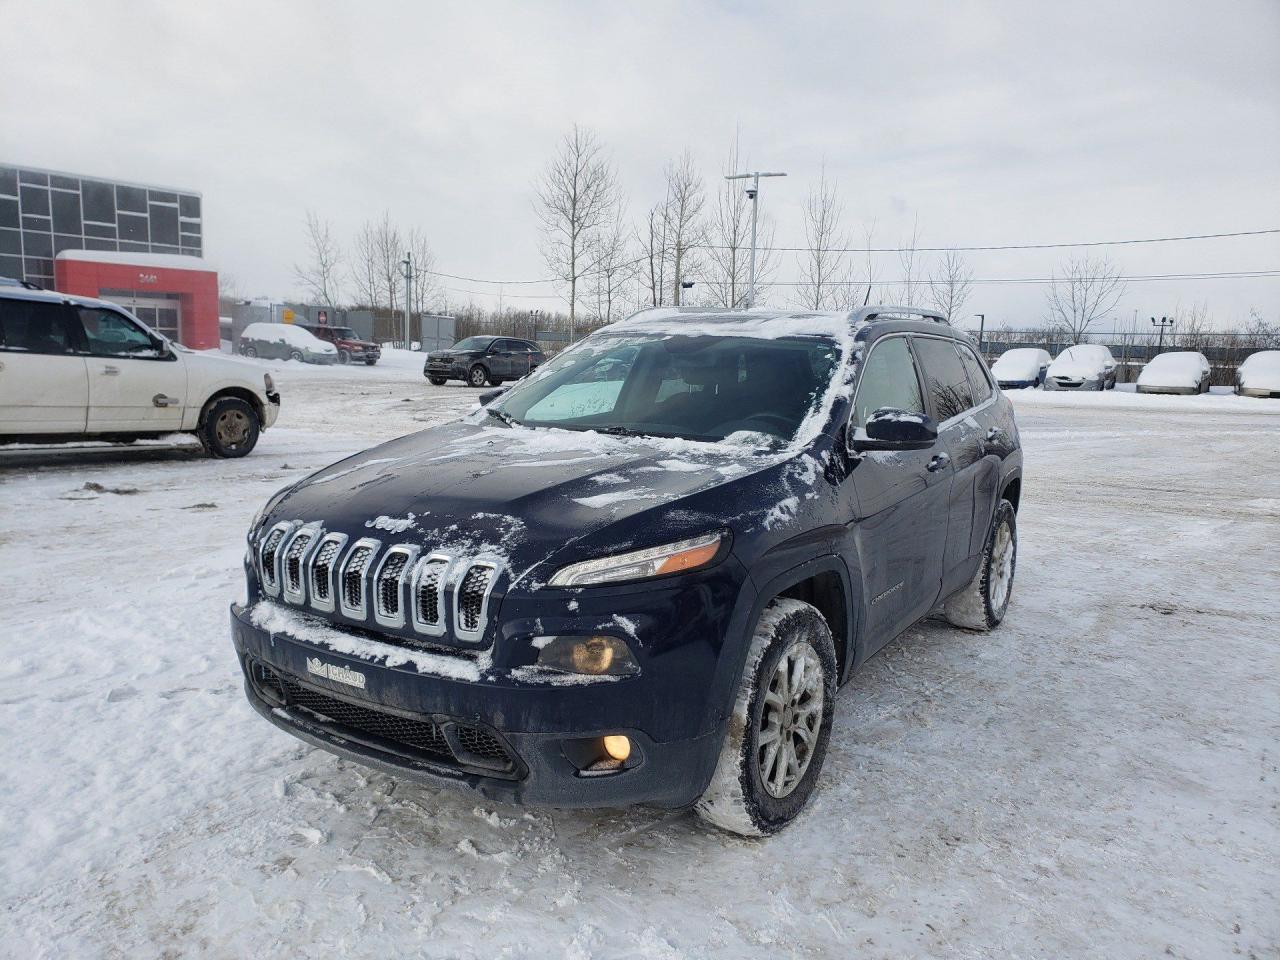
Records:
x=952, y=284
x=389, y=250
x=685, y=229
x=576, y=196
x=612, y=271
x=1191, y=326
x=426, y=289
x=364, y=271
x=823, y=273
x=320, y=276
x=655, y=252
x=729, y=242
x=867, y=281
x=909, y=260
x=1086, y=292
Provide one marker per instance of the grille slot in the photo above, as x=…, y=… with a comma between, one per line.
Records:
x=472, y=600
x=322, y=567
x=428, y=595
x=388, y=581
x=351, y=592
x=291, y=572
x=420, y=736
x=269, y=552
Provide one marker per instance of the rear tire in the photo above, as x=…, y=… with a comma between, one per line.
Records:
x=229, y=428
x=344, y=356
x=249, y=351
x=437, y=381
x=295, y=355
x=780, y=725
x=983, y=603
x=478, y=376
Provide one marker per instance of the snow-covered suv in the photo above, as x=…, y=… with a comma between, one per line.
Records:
x=73, y=368
x=641, y=573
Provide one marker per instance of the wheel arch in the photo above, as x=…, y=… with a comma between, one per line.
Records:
x=239, y=393
x=825, y=584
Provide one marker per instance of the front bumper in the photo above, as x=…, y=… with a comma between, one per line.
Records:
x=1257, y=392
x=321, y=358
x=1072, y=383
x=1151, y=388
x=538, y=725
x=1018, y=384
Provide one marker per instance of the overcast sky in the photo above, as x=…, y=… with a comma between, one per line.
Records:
x=992, y=123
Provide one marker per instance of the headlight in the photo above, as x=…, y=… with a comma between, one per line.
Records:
x=641, y=564
x=268, y=383
x=591, y=656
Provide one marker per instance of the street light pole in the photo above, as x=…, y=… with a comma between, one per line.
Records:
x=407, y=273
x=1161, y=323
x=753, y=193
x=982, y=322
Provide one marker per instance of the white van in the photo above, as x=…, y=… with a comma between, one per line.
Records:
x=75, y=368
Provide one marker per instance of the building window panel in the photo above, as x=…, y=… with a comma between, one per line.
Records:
x=93, y=243
x=8, y=182
x=132, y=227
x=38, y=224
x=11, y=243
x=189, y=206
x=9, y=212
x=99, y=200
x=11, y=267
x=63, y=241
x=33, y=176
x=162, y=196
x=66, y=212
x=131, y=199
x=38, y=267
x=37, y=244
x=105, y=230
x=64, y=183
x=164, y=225
x=130, y=247
x=35, y=200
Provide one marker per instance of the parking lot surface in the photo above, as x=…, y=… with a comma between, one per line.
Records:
x=1097, y=777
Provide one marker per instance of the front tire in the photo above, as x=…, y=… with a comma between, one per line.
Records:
x=369, y=362
x=296, y=355
x=437, y=381
x=344, y=356
x=983, y=603
x=478, y=376
x=249, y=351
x=229, y=429
x=780, y=725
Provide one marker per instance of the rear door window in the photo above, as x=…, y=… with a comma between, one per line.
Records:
x=945, y=378
x=977, y=370
x=888, y=380
x=32, y=326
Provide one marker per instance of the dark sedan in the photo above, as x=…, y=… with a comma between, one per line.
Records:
x=478, y=361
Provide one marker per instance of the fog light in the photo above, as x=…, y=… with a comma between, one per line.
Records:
x=617, y=747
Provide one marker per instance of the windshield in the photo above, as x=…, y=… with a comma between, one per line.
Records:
x=345, y=333
x=473, y=343
x=694, y=387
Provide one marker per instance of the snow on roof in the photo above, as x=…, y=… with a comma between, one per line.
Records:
x=170, y=261
x=765, y=324
x=1179, y=368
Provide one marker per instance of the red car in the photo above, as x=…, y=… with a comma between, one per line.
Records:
x=350, y=347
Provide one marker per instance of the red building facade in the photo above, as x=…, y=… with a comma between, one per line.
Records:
x=173, y=294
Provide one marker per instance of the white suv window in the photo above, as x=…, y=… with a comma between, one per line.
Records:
x=113, y=334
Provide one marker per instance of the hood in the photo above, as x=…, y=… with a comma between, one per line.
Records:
x=1023, y=367
x=519, y=494
x=217, y=364
x=1083, y=367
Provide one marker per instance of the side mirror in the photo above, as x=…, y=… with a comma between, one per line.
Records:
x=890, y=429
x=489, y=396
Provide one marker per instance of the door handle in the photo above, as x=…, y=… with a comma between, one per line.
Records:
x=110, y=371
x=938, y=461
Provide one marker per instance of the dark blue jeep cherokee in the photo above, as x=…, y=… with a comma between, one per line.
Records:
x=641, y=573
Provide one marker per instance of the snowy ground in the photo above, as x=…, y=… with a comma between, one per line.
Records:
x=1097, y=777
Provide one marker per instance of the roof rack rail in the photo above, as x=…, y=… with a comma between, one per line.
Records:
x=889, y=311
x=31, y=286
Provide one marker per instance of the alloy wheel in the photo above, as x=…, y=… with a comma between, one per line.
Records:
x=791, y=720
x=1000, y=578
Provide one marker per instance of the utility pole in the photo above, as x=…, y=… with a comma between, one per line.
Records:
x=982, y=322
x=407, y=272
x=1161, y=323
x=753, y=192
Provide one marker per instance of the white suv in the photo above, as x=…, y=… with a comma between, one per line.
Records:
x=74, y=368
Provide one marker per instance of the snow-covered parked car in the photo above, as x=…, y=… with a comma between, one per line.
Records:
x=1259, y=375
x=285, y=341
x=1021, y=367
x=641, y=573
x=1179, y=371
x=1086, y=366
x=75, y=368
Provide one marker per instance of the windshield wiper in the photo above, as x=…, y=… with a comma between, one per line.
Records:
x=620, y=431
x=506, y=418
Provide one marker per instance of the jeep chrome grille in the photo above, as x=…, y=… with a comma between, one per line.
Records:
x=398, y=587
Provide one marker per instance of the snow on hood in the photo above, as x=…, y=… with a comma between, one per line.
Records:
x=1177, y=369
x=1083, y=360
x=1261, y=370
x=1023, y=363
